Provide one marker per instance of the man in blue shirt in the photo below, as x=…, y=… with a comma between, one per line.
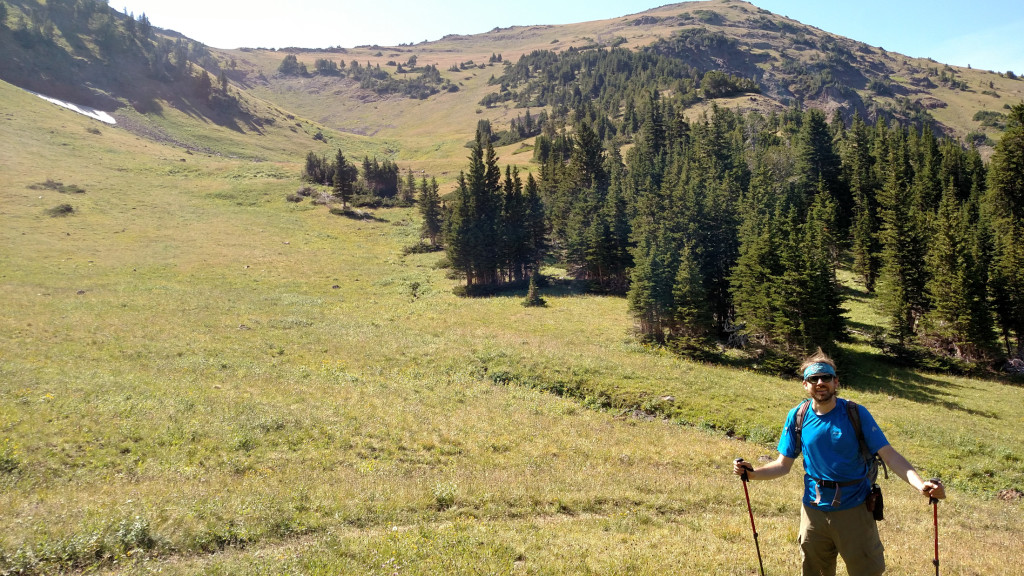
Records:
x=834, y=520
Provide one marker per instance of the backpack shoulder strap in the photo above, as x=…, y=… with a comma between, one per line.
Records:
x=873, y=460
x=854, y=414
x=798, y=422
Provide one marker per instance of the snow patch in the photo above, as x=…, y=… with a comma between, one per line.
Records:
x=85, y=110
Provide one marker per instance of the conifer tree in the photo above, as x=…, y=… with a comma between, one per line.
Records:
x=1005, y=205
x=692, y=318
x=514, y=233
x=430, y=209
x=823, y=320
x=857, y=163
x=536, y=226
x=458, y=231
x=644, y=300
x=758, y=269
x=960, y=319
x=343, y=179
x=816, y=157
x=408, y=191
x=904, y=241
x=533, y=297
x=472, y=236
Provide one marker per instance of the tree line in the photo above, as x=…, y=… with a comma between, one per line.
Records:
x=378, y=183
x=417, y=82
x=733, y=227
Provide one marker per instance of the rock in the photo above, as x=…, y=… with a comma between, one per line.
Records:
x=1010, y=494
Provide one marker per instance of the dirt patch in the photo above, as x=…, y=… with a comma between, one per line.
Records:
x=1010, y=495
x=931, y=103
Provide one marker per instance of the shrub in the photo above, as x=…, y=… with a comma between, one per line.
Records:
x=58, y=186
x=134, y=534
x=421, y=248
x=990, y=118
x=61, y=210
x=444, y=495
x=533, y=297
x=8, y=457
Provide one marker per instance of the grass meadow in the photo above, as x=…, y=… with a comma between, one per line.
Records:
x=199, y=377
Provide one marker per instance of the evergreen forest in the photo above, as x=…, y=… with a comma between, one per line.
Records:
x=729, y=228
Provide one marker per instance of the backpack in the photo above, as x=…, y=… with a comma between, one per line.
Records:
x=872, y=460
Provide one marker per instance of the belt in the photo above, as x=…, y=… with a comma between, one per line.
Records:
x=832, y=484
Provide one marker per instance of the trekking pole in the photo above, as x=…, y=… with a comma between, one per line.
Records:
x=753, y=528
x=935, y=518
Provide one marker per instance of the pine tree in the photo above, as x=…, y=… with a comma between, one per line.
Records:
x=692, y=319
x=816, y=158
x=823, y=321
x=344, y=178
x=458, y=230
x=514, y=233
x=757, y=266
x=472, y=234
x=536, y=226
x=430, y=209
x=408, y=191
x=960, y=318
x=643, y=298
x=857, y=163
x=533, y=297
x=904, y=242
x=1005, y=206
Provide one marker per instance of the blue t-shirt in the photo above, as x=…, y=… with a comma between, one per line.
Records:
x=832, y=452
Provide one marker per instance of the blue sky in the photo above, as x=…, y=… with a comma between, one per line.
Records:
x=986, y=34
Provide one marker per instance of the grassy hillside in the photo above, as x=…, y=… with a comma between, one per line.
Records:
x=792, y=61
x=197, y=376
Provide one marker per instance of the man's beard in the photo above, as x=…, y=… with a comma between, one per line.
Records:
x=823, y=395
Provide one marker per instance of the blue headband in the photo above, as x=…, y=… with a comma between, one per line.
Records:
x=819, y=368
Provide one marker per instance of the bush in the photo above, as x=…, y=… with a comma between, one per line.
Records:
x=421, y=248
x=9, y=461
x=58, y=186
x=444, y=495
x=533, y=297
x=990, y=118
x=61, y=210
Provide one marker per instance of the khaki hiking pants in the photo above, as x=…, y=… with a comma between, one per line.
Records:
x=850, y=533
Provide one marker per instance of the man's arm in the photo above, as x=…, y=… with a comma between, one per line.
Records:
x=779, y=467
x=898, y=464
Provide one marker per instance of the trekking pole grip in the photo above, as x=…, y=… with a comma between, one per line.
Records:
x=744, y=475
x=932, y=499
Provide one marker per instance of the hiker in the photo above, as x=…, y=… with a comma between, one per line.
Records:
x=838, y=475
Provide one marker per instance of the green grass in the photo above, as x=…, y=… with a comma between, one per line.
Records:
x=197, y=376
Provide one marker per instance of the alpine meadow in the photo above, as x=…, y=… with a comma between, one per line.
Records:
x=507, y=303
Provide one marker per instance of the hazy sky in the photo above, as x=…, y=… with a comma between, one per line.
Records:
x=986, y=34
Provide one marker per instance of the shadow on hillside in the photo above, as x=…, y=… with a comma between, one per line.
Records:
x=870, y=373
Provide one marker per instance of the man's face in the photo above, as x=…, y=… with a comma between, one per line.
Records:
x=821, y=387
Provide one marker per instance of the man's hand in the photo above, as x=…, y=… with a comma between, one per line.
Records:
x=934, y=489
x=741, y=467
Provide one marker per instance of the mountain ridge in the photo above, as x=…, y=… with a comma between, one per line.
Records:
x=795, y=65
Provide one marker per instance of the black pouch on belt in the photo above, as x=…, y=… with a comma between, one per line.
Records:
x=874, y=502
